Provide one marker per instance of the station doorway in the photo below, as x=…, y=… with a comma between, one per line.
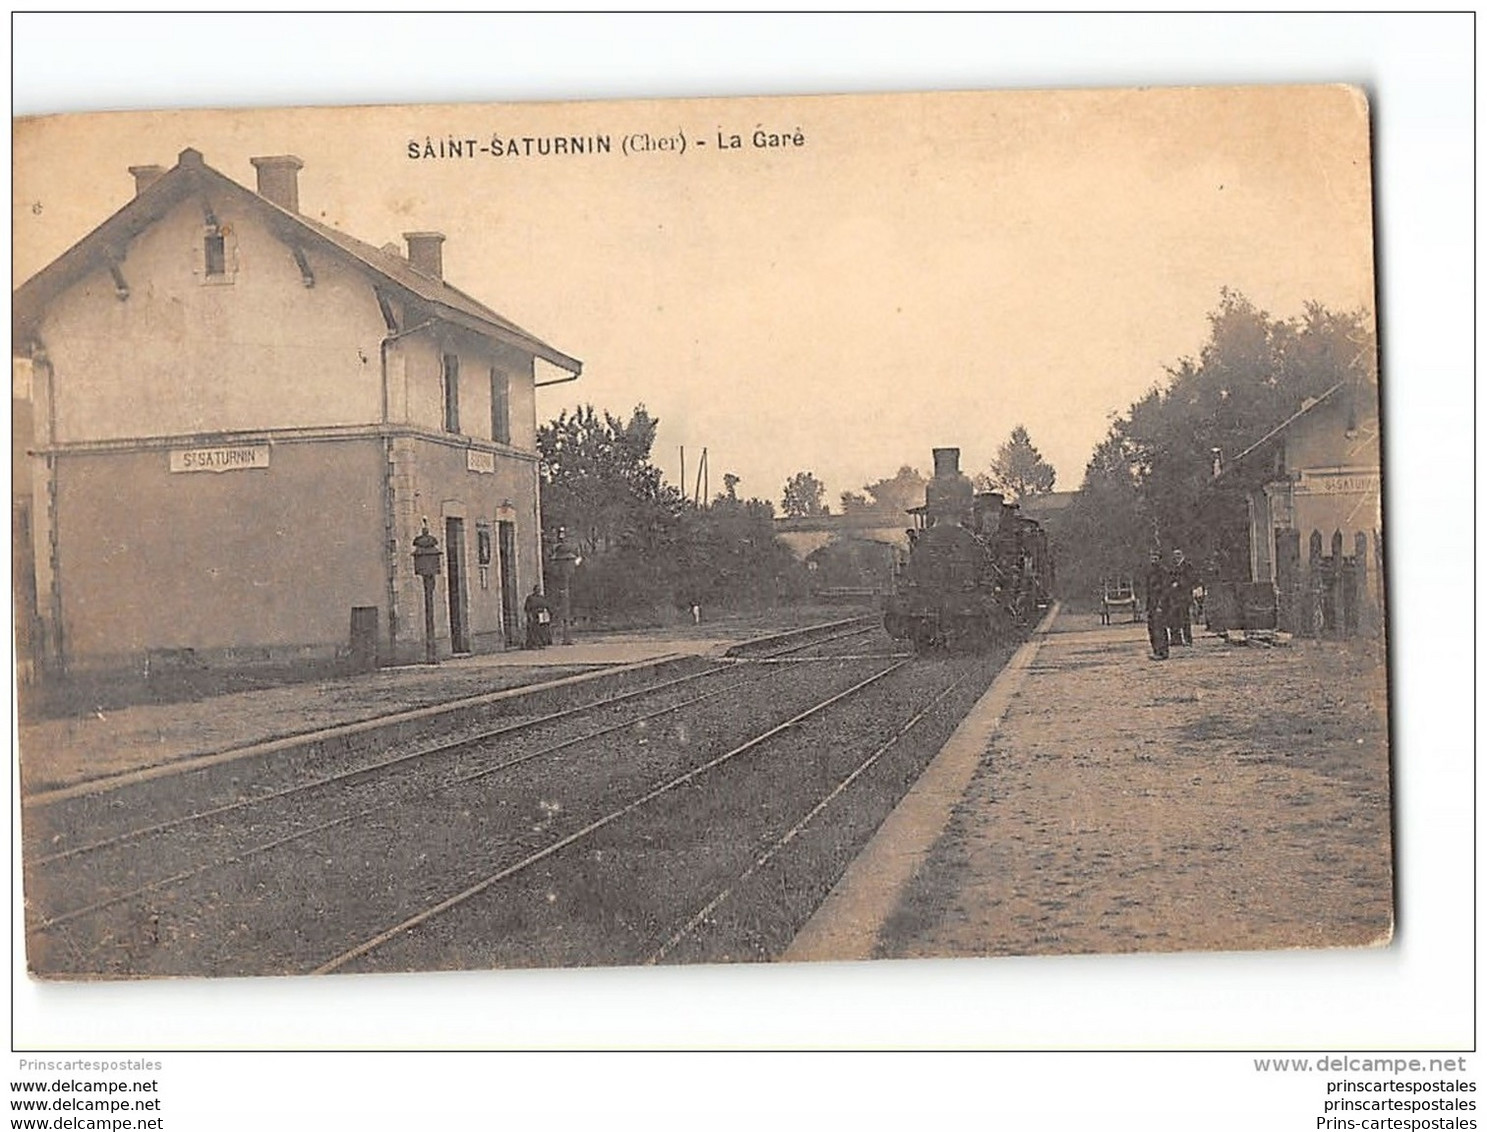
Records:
x=454, y=556
x=506, y=564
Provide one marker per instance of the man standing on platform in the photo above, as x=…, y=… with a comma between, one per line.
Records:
x=1157, y=585
x=1184, y=579
x=539, y=620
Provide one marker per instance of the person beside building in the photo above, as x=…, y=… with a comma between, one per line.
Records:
x=216, y=417
x=1157, y=587
x=539, y=619
x=1183, y=580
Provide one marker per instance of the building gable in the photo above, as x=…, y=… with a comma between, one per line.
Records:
x=244, y=418
x=184, y=345
x=205, y=307
x=192, y=178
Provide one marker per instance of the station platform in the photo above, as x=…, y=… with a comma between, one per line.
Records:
x=1096, y=800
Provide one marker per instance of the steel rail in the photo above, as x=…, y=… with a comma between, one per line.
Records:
x=824, y=659
x=800, y=826
x=62, y=918
x=588, y=830
x=299, y=835
x=343, y=777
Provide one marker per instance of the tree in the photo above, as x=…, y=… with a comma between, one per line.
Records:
x=904, y=490
x=1150, y=482
x=803, y=495
x=888, y=496
x=1106, y=530
x=598, y=480
x=645, y=553
x=1253, y=373
x=1019, y=469
x=728, y=554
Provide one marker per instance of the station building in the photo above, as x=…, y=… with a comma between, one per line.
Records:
x=241, y=420
x=1315, y=514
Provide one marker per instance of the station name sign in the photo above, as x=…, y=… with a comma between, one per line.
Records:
x=234, y=458
x=1340, y=483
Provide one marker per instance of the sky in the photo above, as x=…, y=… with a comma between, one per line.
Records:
x=917, y=271
x=1420, y=73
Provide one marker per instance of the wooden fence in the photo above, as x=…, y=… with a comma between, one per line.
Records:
x=1325, y=594
x=1328, y=593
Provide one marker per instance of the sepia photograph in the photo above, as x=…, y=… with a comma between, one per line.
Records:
x=872, y=569
x=905, y=526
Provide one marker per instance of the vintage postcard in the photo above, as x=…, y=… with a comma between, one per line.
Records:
x=698, y=531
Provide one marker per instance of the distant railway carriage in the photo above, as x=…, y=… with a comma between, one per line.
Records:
x=976, y=571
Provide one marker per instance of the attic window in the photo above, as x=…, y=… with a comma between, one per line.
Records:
x=215, y=252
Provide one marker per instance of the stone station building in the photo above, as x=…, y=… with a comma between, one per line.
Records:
x=242, y=418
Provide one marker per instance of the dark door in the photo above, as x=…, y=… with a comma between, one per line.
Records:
x=454, y=555
x=510, y=599
x=1288, y=580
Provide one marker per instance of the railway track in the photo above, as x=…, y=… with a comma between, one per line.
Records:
x=708, y=913
x=702, y=816
x=90, y=871
x=721, y=862
x=361, y=774
x=593, y=827
x=89, y=813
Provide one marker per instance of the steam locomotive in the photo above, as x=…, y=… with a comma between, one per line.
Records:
x=977, y=571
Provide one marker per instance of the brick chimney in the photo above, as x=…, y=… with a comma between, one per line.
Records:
x=145, y=176
x=278, y=179
x=426, y=252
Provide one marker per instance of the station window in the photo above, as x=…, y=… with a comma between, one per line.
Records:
x=451, y=393
x=216, y=252
x=500, y=406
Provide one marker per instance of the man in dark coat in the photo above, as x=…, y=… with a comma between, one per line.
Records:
x=1184, y=580
x=539, y=619
x=1158, y=584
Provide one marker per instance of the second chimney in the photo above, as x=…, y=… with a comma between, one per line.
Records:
x=426, y=252
x=278, y=179
x=145, y=176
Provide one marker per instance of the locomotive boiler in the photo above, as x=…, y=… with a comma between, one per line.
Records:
x=977, y=571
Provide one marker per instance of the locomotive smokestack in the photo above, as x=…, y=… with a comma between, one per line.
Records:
x=947, y=462
x=949, y=497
